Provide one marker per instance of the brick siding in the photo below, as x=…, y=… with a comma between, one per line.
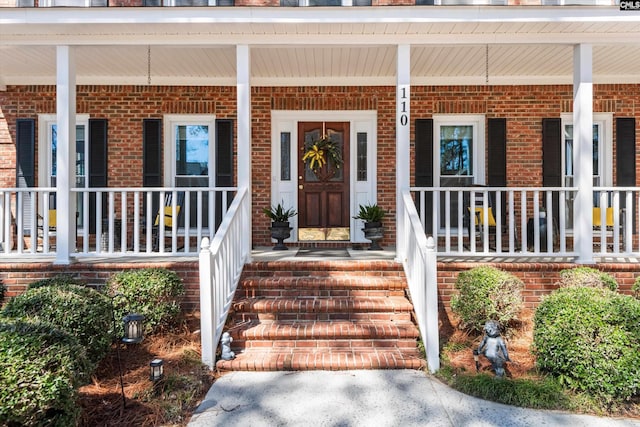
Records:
x=126, y=106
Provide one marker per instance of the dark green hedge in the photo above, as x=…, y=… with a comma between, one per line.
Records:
x=40, y=370
x=152, y=292
x=589, y=338
x=78, y=310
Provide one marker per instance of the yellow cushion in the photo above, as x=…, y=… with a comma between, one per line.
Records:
x=168, y=216
x=479, y=214
x=52, y=218
x=608, y=219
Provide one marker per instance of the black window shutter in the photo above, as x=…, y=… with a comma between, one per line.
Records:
x=25, y=160
x=152, y=152
x=224, y=162
x=424, y=165
x=497, y=159
x=497, y=152
x=626, y=157
x=626, y=151
x=25, y=152
x=552, y=158
x=98, y=170
x=224, y=153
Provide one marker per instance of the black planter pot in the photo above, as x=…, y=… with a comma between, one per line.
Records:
x=280, y=231
x=374, y=231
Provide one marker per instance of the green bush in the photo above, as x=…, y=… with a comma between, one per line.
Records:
x=152, y=292
x=3, y=289
x=59, y=280
x=636, y=288
x=590, y=340
x=81, y=311
x=587, y=277
x=486, y=293
x=40, y=370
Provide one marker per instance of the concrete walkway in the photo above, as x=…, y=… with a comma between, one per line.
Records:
x=398, y=398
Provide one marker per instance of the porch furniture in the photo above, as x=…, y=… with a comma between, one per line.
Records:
x=542, y=232
x=477, y=210
x=167, y=212
x=51, y=228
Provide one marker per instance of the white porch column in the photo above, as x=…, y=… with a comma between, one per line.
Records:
x=66, y=152
x=583, y=151
x=402, y=136
x=243, y=88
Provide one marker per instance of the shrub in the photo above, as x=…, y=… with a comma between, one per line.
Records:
x=80, y=311
x=3, y=289
x=151, y=292
x=589, y=339
x=587, y=277
x=60, y=280
x=40, y=370
x=486, y=293
x=636, y=288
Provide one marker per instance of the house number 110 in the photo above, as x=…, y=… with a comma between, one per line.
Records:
x=404, y=114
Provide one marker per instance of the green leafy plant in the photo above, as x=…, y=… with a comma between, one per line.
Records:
x=370, y=213
x=587, y=277
x=83, y=312
x=41, y=368
x=589, y=339
x=636, y=288
x=486, y=293
x=154, y=293
x=61, y=279
x=3, y=290
x=278, y=213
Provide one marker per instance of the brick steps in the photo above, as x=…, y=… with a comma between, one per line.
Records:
x=326, y=315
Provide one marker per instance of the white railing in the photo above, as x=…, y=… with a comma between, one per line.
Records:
x=111, y=222
x=418, y=256
x=221, y=265
x=513, y=221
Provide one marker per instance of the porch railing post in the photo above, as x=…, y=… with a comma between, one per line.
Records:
x=583, y=151
x=402, y=134
x=431, y=281
x=206, y=306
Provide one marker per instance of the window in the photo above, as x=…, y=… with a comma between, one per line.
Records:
x=47, y=148
x=189, y=159
x=459, y=158
x=294, y=3
x=602, y=155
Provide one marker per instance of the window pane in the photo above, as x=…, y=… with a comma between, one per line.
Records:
x=325, y=2
x=362, y=156
x=192, y=150
x=289, y=3
x=456, y=150
x=285, y=156
x=362, y=2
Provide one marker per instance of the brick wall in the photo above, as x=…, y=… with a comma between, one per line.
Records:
x=16, y=276
x=539, y=279
x=126, y=106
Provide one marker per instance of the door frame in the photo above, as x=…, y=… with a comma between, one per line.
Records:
x=361, y=192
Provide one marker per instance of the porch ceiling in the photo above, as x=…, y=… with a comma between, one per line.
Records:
x=333, y=46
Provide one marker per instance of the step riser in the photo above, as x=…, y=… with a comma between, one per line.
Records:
x=407, y=344
x=319, y=293
x=313, y=317
x=328, y=315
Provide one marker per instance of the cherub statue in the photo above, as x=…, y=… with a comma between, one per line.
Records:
x=494, y=348
x=227, y=354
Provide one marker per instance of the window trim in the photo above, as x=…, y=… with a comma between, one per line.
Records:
x=477, y=121
x=170, y=122
x=605, y=120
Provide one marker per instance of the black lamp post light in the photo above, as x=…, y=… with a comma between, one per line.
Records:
x=133, y=326
x=156, y=370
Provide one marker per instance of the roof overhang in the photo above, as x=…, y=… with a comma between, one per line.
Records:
x=318, y=46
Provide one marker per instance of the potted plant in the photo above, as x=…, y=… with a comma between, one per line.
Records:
x=372, y=216
x=280, y=229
